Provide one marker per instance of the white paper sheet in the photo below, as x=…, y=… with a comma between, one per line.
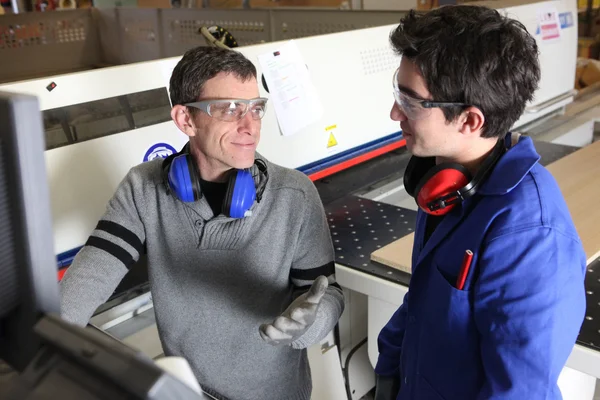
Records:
x=549, y=25
x=292, y=93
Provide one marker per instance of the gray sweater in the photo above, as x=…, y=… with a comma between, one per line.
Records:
x=215, y=280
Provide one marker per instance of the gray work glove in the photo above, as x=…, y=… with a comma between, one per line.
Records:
x=297, y=318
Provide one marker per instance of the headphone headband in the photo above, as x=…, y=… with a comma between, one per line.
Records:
x=486, y=167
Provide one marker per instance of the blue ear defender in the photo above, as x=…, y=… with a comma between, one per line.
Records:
x=184, y=181
x=240, y=194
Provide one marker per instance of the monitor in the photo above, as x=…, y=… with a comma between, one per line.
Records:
x=48, y=357
x=28, y=286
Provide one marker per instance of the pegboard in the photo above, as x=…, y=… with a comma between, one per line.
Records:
x=589, y=334
x=19, y=34
x=42, y=43
x=302, y=23
x=181, y=28
x=378, y=59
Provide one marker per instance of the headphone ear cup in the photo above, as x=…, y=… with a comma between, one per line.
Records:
x=415, y=170
x=240, y=195
x=183, y=179
x=440, y=181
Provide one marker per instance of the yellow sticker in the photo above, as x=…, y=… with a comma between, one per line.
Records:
x=332, y=141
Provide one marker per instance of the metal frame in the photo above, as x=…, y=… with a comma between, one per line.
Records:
x=41, y=44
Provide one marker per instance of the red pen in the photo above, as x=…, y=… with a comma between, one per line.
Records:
x=464, y=270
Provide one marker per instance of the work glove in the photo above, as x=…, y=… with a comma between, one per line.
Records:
x=297, y=318
x=387, y=387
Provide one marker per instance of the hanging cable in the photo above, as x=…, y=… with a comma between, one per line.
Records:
x=218, y=37
x=347, y=365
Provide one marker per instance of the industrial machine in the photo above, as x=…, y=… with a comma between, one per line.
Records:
x=102, y=122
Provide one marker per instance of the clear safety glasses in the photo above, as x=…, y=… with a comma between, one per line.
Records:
x=231, y=110
x=416, y=109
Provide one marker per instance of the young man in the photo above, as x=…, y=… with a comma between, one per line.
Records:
x=496, y=296
x=240, y=287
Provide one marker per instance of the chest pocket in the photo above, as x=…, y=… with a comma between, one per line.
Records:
x=449, y=339
x=447, y=305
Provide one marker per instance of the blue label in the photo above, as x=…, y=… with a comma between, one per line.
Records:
x=565, y=19
x=162, y=150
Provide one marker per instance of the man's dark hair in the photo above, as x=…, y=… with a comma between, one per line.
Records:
x=473, y=55
x=200, y=64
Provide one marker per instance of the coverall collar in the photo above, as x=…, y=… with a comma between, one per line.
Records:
x=512, y=167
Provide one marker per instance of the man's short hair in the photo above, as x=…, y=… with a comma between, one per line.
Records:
x=200, y=64
x=472, y=55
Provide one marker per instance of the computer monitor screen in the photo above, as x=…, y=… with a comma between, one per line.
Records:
x=28, y=286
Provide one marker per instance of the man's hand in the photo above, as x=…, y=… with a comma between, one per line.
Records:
x=297, y=318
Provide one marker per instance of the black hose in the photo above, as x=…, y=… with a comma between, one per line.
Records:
x=347, y=365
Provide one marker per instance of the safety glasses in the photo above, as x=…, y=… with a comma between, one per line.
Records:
x=231, y=110
x=416, y=109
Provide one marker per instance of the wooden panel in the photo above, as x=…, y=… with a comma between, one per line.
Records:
x=578, y=176
x=397, y=254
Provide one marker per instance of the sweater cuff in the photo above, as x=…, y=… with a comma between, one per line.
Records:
x=328, y=314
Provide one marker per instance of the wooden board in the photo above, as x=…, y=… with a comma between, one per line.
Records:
x=578, y=176
x=397, y=254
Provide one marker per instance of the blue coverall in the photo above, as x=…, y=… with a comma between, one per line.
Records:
x=509, y=332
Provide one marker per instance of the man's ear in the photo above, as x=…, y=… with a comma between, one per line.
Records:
x=182, y=118
x=471, y=121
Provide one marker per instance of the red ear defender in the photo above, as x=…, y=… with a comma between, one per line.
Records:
x=437, y=189
x=438, y=192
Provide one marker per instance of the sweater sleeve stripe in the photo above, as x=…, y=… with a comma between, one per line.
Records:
x=122, y=233
x=113, y=249
x=313, y=273
x=305, y=288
